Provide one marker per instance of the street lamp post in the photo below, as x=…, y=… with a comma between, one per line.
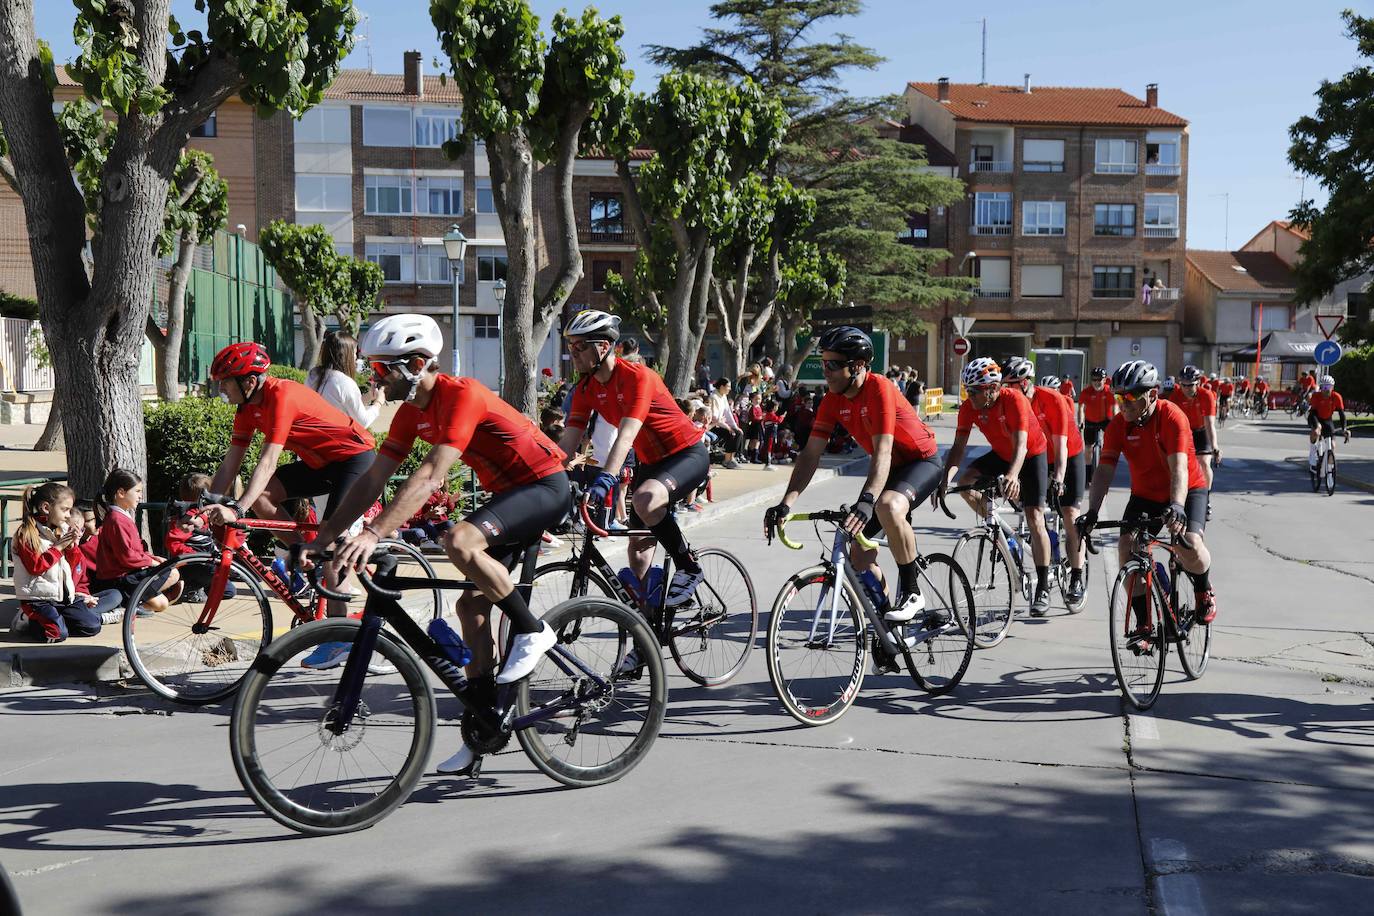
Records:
x=455, y=248
x=499, y=291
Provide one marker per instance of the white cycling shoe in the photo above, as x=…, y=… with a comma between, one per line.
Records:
x=525, y=652
x=909, y=608
x=459, y=764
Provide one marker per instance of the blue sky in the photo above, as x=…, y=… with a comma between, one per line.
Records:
x=1239, y=72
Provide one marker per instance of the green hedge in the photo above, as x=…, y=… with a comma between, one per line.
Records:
x=1354, y=375
x=277, y=370
x=12, y=306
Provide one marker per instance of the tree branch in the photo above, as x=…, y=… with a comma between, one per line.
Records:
x=718, y=302
x=568, y=267
x=210, y=87
x=635, y=204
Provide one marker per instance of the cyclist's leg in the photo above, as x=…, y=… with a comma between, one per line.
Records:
x=985, y=467
x=1137, y=506
x=1314, y=432
x=906, y=487
x=658, y=487
x=1035, y=483
x=1204, y=453
x=1075, y=485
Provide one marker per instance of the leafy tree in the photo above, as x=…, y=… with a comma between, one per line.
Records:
x=160, y=81
x=322, y=281
x=810, y=280
x=1336, y=146
x=534, y=103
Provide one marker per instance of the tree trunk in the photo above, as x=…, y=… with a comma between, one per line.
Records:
x=167, y=345
x=680, y=369
x=795, y=355
x=51, y=439
x=312, y=335
x=512, y=186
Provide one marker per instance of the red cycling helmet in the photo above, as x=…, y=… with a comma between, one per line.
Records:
x=239, y=359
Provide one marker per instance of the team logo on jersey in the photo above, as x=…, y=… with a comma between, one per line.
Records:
x=424, y=425
x=491, y=529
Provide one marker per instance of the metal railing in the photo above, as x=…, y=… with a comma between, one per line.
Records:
x=992, y=229
x=1161, y=232
x=1164, y=294
x=1159, y=168
x=989, y=165
x=981, y=293
x=622, y=236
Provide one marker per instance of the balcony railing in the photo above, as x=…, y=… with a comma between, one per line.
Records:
x=1161, y=232
x=993, y=229
x=1159, y=168
x=989, y=165
x=1164, y=294
x=981, y=293
x=621, y=236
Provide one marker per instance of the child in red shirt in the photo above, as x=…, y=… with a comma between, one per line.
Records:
x=770, y=420
x=122, y=557
x=432, y=522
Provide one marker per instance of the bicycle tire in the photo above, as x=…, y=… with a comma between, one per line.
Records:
x=939, y=663
x=1328, y=473
x=1194, y=638
x=1063, y=571
x=640, y=702
x=256, y=718
x=832, y=695
x=420, y=613
x=195, y=669
x=543, y=600
x=1315, y=472
x=989, y=571
x=711, y=636
x=1139, y=682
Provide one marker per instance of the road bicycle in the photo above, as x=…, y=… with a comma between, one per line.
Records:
x=1165, y=612
x=198, y=650
x=333, y=751
x=1262, y=407
x=1299, y=405
x=1323, y=473
x=826, y=619
x=710, y=637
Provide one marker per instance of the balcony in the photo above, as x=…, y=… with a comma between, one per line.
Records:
x=1164, y=294
x=991, y=229
x=989, y=165
x=1161, y=232
x=981, y=293
x=610, y=235
x=1159, y=168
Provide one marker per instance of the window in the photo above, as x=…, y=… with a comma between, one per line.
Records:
x=599, y=271
x=1042, y=217
x=1114, y=282
x=992, y=213
x=994, y=277
x=1116, y=157
x=1355, y=305
x=984, y=153
x=485, y=202
x=1162, y=153
x=209, y=127
x=491, y=267
x=433, y=127
x=1161, y=215
x=1273, y=316
x=441, y=196
x=1114, y=219
x=324, y=125
x=607, y=216
x=386, y=127
x=388, y=194
x=486, y=327
x=431, y=264
x=396, y=259
x=324, y=192
x=1039, y=280
x=1043, y=156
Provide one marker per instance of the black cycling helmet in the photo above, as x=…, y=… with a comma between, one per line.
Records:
x=1190, y=374
x=1135, y=377
x=1099, y=372
x=848, y=341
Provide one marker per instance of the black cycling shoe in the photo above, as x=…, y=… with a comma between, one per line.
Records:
x=1041, y=605
x=936, y=618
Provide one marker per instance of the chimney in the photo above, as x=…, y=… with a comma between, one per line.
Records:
x=1152, y=95
x=1027, y=86
x=943, y=85
x=415, y=74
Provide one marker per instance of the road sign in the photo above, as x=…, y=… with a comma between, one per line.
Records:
x=1327, y=353
x=960, y=346
x=1340, y=319
x=962, y=324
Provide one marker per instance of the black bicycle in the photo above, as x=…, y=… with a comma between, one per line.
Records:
x=333, y=751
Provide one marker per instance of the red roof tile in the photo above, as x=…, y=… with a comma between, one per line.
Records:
x=1263, y=271
x=362, y=85
x=1050, y=105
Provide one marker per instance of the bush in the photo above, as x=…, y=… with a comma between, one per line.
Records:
x=459, y=476
x=276, y=370
x=12, y=306
x=190, y=435
x=1354, y=375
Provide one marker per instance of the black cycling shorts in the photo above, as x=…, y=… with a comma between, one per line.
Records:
x=1194, y=506
x=1092, y=432
x=517, y=518
x=1200, y=442
x=1328, y=428
x=300, y=480
x=1075, y=482
x=1035, y=475
x=915, y=480
x=680, y=473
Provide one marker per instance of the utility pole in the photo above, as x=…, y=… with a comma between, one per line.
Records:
x=1227, y=231
x=983, y=79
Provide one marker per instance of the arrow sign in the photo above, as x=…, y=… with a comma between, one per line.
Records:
x=1327, y=353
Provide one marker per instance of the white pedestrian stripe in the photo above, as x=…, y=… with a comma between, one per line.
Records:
x=1179, y=895
x=1144, y=728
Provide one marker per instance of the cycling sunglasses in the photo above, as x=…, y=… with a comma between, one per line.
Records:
x=1126, y=397
x=383, y=369
x=835, y=365
x=579, y=346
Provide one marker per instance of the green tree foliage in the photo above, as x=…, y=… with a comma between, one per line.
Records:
x=1335, y=145
x=1354, y=375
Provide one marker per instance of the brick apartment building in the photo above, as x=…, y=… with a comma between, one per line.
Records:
x=1076, y=201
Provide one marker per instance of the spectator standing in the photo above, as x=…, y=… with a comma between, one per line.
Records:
x=333, y=379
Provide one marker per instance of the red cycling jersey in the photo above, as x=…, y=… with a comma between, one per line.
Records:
x=294, y=416
x=1066, y=388
x=1226, y=389
x=999, y=423
x=500, y=443
x=1098, y=406
x=636, y=391
x=1197, y=408
x=1262, y=386
x=1326, y=403
x=1147, y=448
x=877, y=410
x=1307, y=383
x=1055, y=413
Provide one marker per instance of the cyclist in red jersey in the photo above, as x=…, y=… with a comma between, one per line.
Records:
x=1065, y=387
x=1261, y=391
x=1200, y=406
x=520, y=467
x=1166, y=479
x=1068, y=475
x=1322, y=406
x=1225, y=389
x=1096, y=407
x=903, y=473
x=1018, y=458
x=670, y=452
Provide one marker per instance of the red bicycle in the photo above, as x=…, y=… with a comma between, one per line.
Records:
x=199, y=649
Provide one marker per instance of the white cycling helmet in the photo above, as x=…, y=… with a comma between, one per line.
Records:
x=592, y=324
x=981, y=372
x=1326, y=383
x=1051, y=381
x=402, y=335
x=1016, y=369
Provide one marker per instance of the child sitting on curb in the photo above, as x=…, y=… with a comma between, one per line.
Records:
x=122, y=557
x=432, y=521
x=189, y=533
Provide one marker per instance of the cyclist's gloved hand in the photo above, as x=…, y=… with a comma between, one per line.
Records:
x=1176, y=514
x=1056, y=488
x=600, y=488
x=1086, y=522
x=860, y=514
x=772, y=518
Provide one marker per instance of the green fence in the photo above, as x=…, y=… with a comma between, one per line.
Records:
x=232, y=296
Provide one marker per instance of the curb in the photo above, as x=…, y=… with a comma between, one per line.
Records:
x=1344, y=479
x=38, y=665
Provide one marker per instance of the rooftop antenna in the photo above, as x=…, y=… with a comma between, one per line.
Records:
x=1227, y=231
x=983, y=79
x=367, y=39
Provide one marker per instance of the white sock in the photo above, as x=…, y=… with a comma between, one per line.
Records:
x=1312, y=454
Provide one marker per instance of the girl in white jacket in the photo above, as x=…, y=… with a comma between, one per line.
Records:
x=48, y=577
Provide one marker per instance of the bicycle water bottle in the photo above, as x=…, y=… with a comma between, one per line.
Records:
x=449, y=642
x=875, y=590
x=1015, y=546
x=1163, y=575
x=1054, y=546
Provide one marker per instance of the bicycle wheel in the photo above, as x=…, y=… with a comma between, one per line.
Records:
x=1063, y=572
x=422, y=606
x=1194, y=638
x=937, y=663
x=816, y=653
x=711, y=636
x=1315, y=471
x=551, y=585
x=299, y=772
x=984, y=561
x=1139, y=666
x=590, y=736
x=183, y=661
x=1328, y=471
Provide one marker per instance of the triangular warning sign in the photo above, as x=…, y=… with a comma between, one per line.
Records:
x=1340, y=319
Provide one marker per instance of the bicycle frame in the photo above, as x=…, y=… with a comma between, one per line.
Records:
x=1142, y=549
x=232, y=542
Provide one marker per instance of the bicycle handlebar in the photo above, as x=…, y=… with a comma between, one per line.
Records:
x=587, y=520
x=384, y=562
x=1125, y=524
x=835, y=516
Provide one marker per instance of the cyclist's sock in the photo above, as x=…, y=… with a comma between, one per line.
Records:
x=1042, y=578
x=522, y=619
x=909, y=578
x=1201, y=581
x=670, y=536
x=1142, y=611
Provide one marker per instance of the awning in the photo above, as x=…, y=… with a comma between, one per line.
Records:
x=1280, y=347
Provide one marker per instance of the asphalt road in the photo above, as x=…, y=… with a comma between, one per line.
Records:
x=1029, y=790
